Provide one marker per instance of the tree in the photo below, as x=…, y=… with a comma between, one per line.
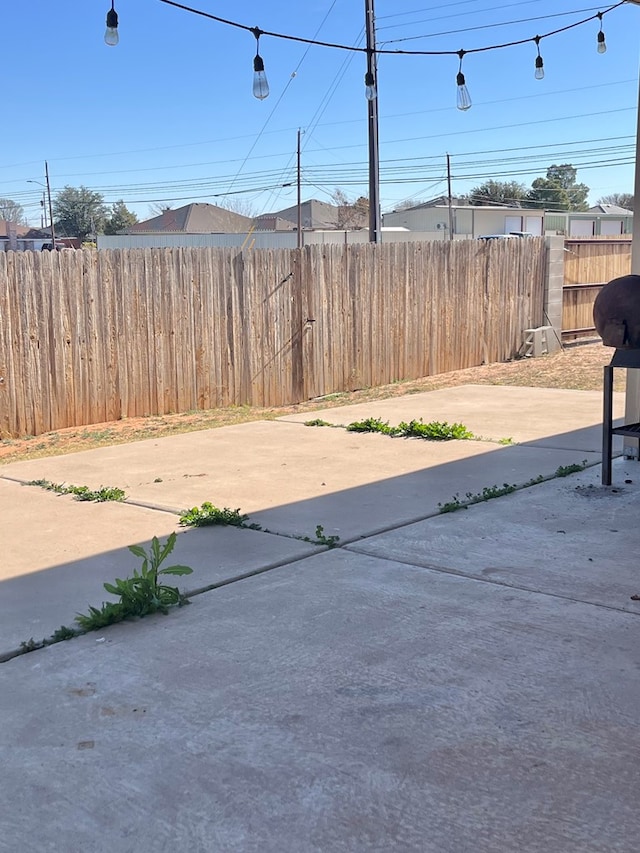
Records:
x=120, y=218
x=559, y=190
x=351, y=215
x=157, y=208
x=620, y=199
x=12, y=211
x=238, y=205
x=509, y=193
x=78, y=212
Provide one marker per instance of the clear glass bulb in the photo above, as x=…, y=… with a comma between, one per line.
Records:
x=370, y=91
x=539, y=75
x=260, y=85
x=111, y=36
x=602, y=45
x=463, y=96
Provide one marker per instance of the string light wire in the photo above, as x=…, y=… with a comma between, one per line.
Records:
x=337, y=46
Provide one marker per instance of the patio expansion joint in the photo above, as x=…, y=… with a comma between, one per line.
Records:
x=447, y=570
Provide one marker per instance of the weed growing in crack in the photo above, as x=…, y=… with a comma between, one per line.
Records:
x=208, y=514
x=321, y=539
x=371, y=425
x=434, y=431
x=81, y=493
x=139, y=596
x=566, y=470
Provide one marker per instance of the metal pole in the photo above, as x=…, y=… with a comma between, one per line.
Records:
x=449, y=197
x=632, y=391
x=372, y=108
x=53, y=232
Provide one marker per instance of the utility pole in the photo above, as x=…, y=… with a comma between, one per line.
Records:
x=299, y=197
x=372, y=108
x=53, y=233
x=449, y=197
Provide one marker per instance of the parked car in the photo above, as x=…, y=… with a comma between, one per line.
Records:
x=505, y=236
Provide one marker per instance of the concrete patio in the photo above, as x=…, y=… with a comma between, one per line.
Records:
x=441, y=683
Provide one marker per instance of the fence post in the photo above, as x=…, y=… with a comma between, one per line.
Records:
x=553, y=284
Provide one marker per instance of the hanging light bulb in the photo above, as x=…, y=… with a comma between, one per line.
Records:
x=370, y=91
x=463, y=96
x=602, y=45
x=111, y=36
x=260, y=84
x=539, y=74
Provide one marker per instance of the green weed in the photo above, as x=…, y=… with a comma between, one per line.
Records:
x=82, y=493
x=208, y=514
x=317, y=422
x=434, y=431
x=566, y=470
x=141, y=594
x=371, y=425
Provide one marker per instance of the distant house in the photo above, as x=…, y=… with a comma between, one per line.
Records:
x=272, y=222
x=193, y=219
x=468, y=220
x=22, y=238
x=314, y=216
x=601, y=220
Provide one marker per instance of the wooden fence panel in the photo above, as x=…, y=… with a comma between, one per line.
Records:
x=588, y=265
x=93, y=336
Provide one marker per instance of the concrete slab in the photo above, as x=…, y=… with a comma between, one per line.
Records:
x=290, y=480
x=359, y=704
x=551, y=417
x=58, y=552
x=569, y=537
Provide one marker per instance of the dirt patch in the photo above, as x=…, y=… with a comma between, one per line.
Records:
x=577, y=367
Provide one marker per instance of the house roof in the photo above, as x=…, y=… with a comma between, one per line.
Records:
x=197, y=218
x=315, y=214
x=271, y=222
x=610, y=209
x=20, y=230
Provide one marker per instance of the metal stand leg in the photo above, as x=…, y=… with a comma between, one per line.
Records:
x=607, y=426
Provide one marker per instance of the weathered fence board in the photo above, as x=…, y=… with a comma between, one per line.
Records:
x=92, y=336
x=589, y=263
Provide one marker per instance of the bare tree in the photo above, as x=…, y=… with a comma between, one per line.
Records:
x=351, y=214
x=238, y=205
x=157, y=208
x=620, y=199
x=12, y=211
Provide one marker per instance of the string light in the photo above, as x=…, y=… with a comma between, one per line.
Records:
x=260, y=84
x=602, y=45
x=111, y=36
x=539, y=74
x=463, y=96
x=381, y=51
x=370, y=86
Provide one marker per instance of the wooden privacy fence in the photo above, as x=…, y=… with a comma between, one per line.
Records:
x=588, y=265
x=87, y=337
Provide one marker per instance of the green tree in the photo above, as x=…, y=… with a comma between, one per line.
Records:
x=78, y=212
x=559, y=190
x=620, y=199
x=509, y=193
x=12, y=211
x=120, y=218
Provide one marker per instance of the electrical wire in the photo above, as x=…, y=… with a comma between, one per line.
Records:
x=257, y=32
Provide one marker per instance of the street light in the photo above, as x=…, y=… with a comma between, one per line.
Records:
x=47, y=186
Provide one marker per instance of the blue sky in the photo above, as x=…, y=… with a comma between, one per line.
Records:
x=168, y=114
